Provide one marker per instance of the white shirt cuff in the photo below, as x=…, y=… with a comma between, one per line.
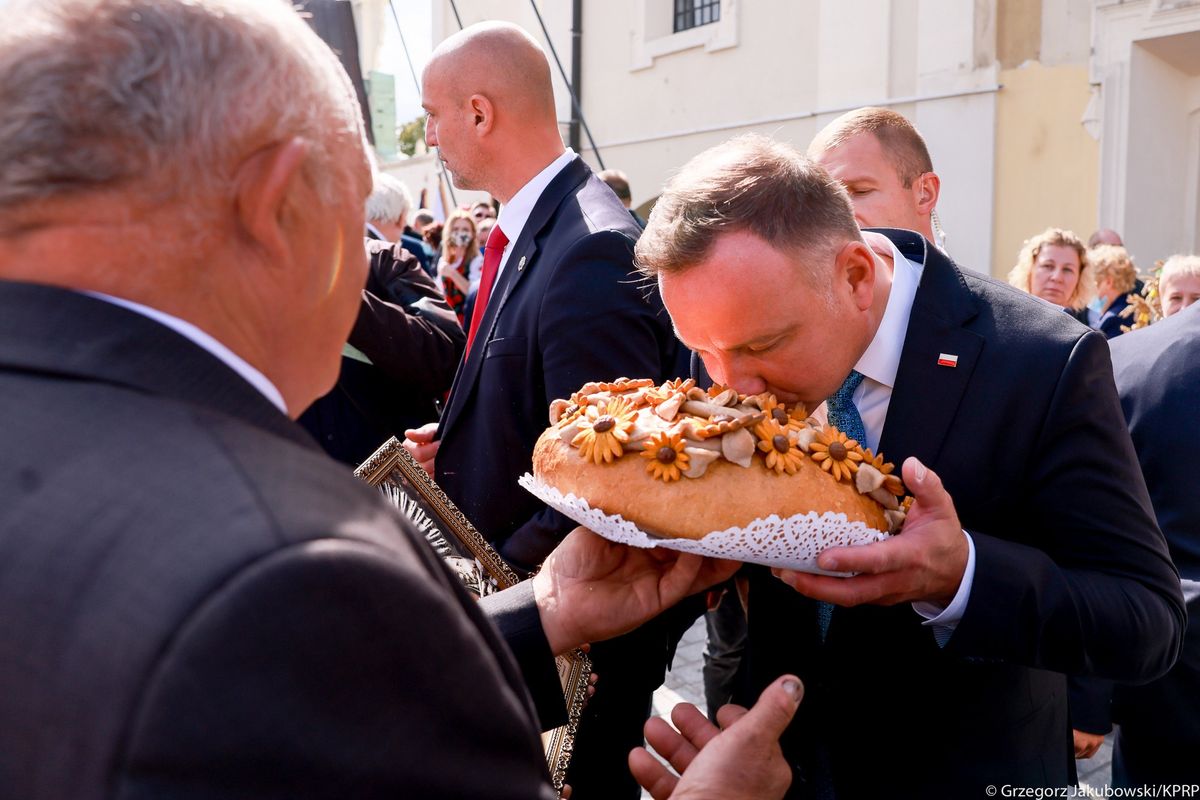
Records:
x=945, y=620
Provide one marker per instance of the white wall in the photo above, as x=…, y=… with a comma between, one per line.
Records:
x=783, y=68
x=1146, y=63
x=1162, y=99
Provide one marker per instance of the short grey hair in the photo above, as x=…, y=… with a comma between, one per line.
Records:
x=1180, y=265
x=389, y=200
x=171, y=94
x=748, y=184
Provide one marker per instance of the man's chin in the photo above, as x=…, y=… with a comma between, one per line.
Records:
x=458, y=180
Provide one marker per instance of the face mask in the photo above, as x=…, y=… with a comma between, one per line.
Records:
x=1096, y=305
x=461, y=238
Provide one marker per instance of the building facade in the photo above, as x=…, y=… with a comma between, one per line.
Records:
x=1072, y=113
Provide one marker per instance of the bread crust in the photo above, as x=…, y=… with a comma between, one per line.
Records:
x=727, y=495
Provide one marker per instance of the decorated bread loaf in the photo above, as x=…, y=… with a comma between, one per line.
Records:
x=681, y=462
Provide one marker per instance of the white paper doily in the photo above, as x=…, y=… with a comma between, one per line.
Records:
x=792, y=543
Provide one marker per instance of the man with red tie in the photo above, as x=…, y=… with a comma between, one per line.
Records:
x=559, y=301
x=559, y=304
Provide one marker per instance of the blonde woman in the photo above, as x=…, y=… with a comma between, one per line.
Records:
x=1115, y=278
x=1053, y=266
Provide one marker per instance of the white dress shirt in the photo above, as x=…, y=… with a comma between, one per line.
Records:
x=203, y=340
x=878, y=366
x=515, y=213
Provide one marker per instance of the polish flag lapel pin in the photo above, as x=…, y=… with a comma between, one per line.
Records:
x=947, y=360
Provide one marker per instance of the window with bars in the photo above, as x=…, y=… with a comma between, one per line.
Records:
x=694, y=13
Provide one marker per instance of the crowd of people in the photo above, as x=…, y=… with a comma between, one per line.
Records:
x=1099, y=284
x=201, y=601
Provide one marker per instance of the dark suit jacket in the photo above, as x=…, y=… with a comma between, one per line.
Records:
x=1158, y=377
x=568, y=308
x=1072, y=574
x=196, y=602
x=414, y=343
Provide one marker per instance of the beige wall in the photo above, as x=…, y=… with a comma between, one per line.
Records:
x=786, y=67
x=1047, y=166
x=649, y=121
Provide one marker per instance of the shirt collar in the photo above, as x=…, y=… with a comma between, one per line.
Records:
x=203, y=340
x=881, y=360
x=515, y=213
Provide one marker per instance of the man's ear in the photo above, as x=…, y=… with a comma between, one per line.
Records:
x=926, y=189
x=265, y=181
x=854, y=268
x=483, y=113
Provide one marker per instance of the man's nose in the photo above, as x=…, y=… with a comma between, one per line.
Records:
x=730, y=370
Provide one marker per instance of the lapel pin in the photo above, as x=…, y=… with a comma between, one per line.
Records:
x=947, y=360
x=521, y=263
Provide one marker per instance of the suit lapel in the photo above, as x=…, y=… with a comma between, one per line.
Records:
x=927, y=393
x=521, y=262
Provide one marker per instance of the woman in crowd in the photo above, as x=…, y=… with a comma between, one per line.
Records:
x=460, y=252
x=1053, y=266
x=1115, y=278
x=1179, y=283
x=483, y=229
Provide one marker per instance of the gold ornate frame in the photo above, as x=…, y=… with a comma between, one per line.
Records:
x=394, y=472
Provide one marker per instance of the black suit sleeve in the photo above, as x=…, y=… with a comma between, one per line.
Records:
x=599, y=320
x=515, y=614
x=1090, y=702
x=404, y=325
x=1082, y=583
x=332, y=670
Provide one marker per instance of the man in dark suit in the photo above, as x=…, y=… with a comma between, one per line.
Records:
x=1031, y=546
x=1158, y=377
x=559, y=304
x=564, y=305
x=388, y=208
x=196, y=601
x=398, y=363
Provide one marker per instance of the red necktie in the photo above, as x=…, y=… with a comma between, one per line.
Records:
x=492, y=254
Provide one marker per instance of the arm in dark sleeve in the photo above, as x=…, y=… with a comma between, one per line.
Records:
x=404, y=325
x=599, y=320
x=1090, y=702
x=332, y=669
x=1088, y=588
x=515, y=614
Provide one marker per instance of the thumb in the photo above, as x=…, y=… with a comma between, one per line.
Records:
x=775, y=708
x=926, y=487
x=423, y=434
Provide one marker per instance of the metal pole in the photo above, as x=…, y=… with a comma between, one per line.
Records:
x=576, y=69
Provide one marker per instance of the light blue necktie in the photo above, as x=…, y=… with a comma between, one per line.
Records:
x=844, y=416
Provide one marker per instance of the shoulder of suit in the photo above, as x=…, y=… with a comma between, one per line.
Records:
x=216, y=483
x=164, y=502
x=1018, y=311
x=602, y=211
x=1169, y=347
